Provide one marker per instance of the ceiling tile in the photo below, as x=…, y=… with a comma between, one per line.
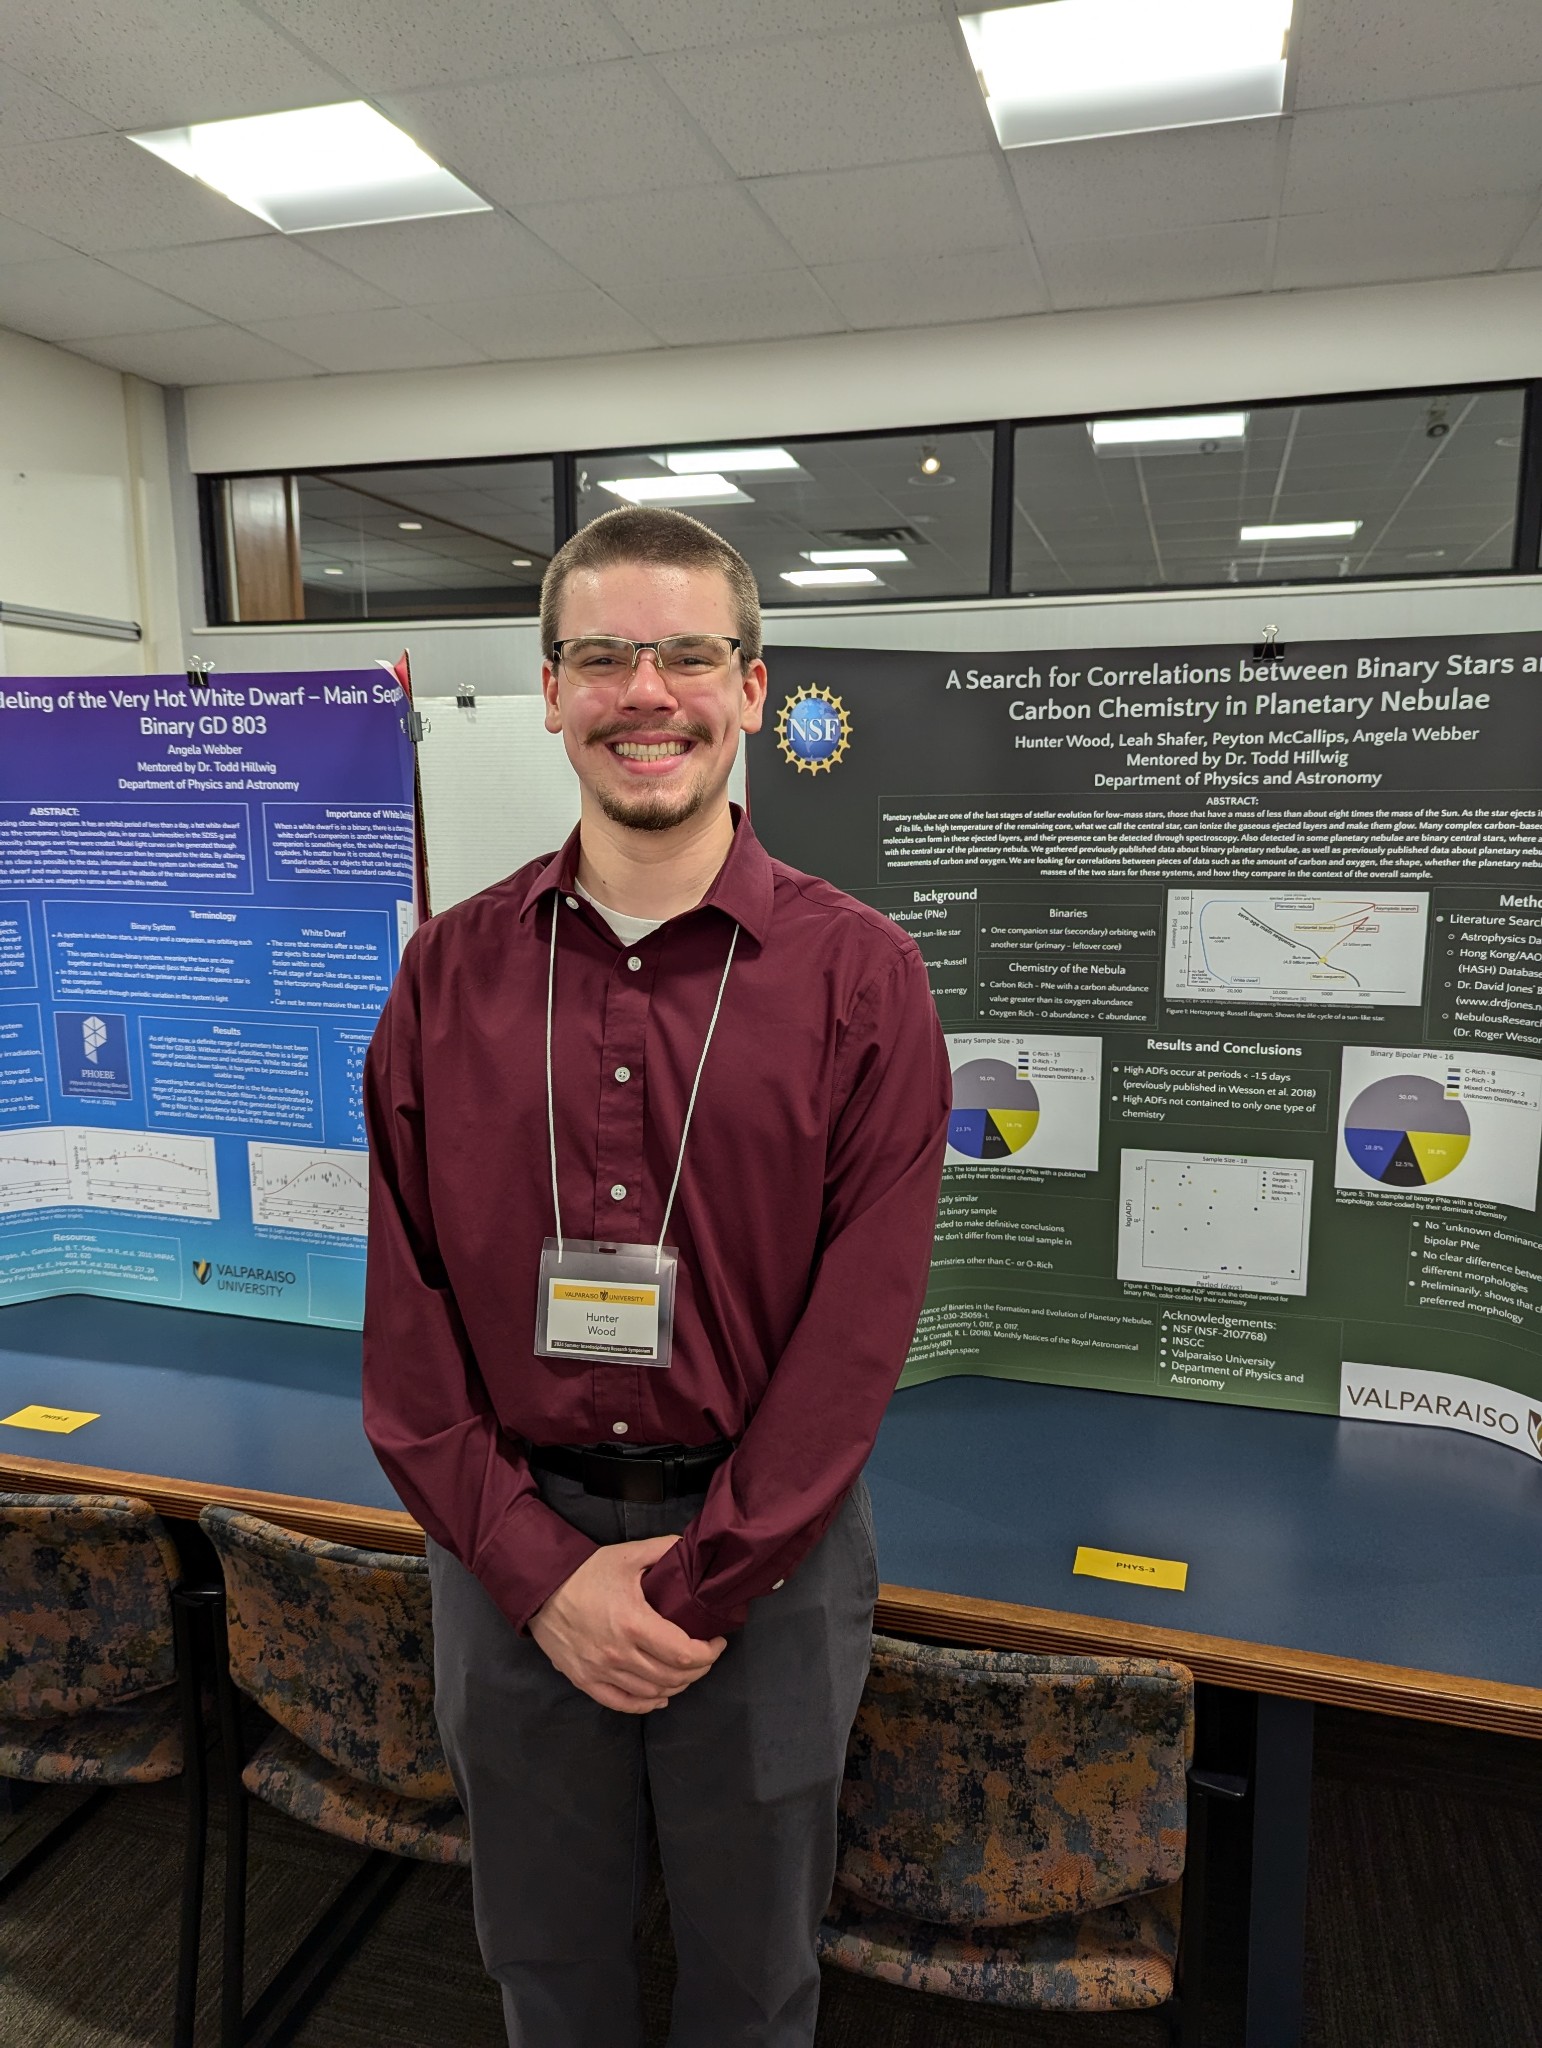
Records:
x=575, y=135
x=521, y=326
x=698, y=232
x=821, y=103
x=1376, y=244
x=98, y=192
x=984, y=284
x=156, y=63
x=1137, y=270
x=928, y=209
x=31, y=113
x=26, y=245
x=457, y=257
x=1411, y=49
x=1446, y=149
x=395, y=339
x=76, y=298
x=768, y=305
x=440, y=42
x=1528, y=253
x=265, y=277
x=197, y=355
x=696, y=24
x=1148, y=184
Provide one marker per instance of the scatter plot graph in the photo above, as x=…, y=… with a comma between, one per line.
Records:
x=1209, y=1220
x=151, y=1171
x=34, y=1170
x=300, y=1187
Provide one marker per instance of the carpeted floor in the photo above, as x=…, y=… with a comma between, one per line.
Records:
x=1425, y=1929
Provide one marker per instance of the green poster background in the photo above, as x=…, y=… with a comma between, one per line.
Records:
x=1251, y=956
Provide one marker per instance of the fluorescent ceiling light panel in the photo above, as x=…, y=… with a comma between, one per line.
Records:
x=806, y=578
x=710, y=489
x=825, y=557
x=318, y=167
x=1193, y=428
x=1067, y=70
x=741, y=460
x=1321, y=529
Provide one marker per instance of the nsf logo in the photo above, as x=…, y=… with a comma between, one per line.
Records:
x=813, y=729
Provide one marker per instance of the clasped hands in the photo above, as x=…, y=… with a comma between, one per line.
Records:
x=598, y=1630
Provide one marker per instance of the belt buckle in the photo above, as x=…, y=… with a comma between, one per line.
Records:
x=639, y=1482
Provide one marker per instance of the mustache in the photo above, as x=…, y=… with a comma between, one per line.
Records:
x=602, y=735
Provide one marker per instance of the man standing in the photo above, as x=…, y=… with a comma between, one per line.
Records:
x=656, y=1131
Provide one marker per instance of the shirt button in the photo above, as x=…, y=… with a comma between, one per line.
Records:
x=778, y=1586
x=618, y=1193
x=633, y=962
x=619, y=1428
x=623, y=1073
x=571, y=902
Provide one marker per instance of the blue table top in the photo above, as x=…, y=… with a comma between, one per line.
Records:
x=1382, y=1544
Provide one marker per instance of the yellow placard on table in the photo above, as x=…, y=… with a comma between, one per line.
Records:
x=1130, y=1570
x=59, y=1421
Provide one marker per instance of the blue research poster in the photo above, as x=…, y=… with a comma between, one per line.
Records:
x=204, y=894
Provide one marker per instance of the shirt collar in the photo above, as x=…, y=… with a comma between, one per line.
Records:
x=743, y=889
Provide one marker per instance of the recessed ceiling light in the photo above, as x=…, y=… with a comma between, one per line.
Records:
x=317, y=167
x=331, y=572
x=931, y=462
x=738, y=459
x=519, y=562
x=824, y=557
x=1175, y=429
x=808, y=577
x=1072, y=69
x=410, y=525
x=675, y=490
x=1320, y=529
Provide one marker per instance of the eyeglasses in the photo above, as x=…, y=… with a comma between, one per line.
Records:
x=680, y=657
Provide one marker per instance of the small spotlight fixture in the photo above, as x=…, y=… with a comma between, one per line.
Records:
x=930, y=462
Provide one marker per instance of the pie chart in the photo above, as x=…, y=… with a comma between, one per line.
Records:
x=994, y=1113
x=1406, y=1131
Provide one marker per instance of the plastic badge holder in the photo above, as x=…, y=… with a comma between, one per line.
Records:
x=606, y=1304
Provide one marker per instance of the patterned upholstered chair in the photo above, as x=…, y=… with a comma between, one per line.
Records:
x=1013, y=1828
x=336, y=1645
x=99, y=1684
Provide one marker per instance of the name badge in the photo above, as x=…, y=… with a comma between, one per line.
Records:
x=606, y=1304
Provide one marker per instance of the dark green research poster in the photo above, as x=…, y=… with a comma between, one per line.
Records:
x=1240, y=964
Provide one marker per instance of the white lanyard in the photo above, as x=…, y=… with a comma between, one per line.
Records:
x=690, y=1107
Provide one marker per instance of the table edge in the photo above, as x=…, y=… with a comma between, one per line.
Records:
x=909, y=1610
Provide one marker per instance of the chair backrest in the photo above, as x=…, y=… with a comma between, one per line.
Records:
x=337, y=1644
x=85, y=1596
x=986, y=1788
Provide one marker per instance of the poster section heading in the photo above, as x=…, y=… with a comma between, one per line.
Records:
x=204, y=894
x=1240, y=964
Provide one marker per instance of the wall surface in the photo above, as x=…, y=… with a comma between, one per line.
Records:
x=85, y=512
x=1375, y=337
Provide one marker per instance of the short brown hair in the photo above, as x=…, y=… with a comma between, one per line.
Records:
x=651, y=533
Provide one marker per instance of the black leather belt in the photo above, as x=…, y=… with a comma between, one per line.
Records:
x=639, y=1473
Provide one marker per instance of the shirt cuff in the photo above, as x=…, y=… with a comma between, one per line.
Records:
x=667, y=1592
x=533, y=1554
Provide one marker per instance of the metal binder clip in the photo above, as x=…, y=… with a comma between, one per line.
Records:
x=414, y=725
x=466, y=696
x=199, y=673
x=1269, y=648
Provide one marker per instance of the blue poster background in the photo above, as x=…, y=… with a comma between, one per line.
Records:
x=204, y=894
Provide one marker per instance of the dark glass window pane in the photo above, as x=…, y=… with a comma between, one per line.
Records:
x=1428, y=484
x=441, y=541
x=924, y=498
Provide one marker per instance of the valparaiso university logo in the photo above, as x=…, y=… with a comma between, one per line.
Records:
x=1534, y=1421
x=201, y=1271
x=814, y=729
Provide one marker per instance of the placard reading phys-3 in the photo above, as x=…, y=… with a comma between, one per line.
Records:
x=204, y=893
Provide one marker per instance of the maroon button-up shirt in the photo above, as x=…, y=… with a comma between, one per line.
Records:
x=803, y=1221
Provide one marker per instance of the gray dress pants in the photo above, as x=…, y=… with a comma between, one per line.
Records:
x=743, y=1770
